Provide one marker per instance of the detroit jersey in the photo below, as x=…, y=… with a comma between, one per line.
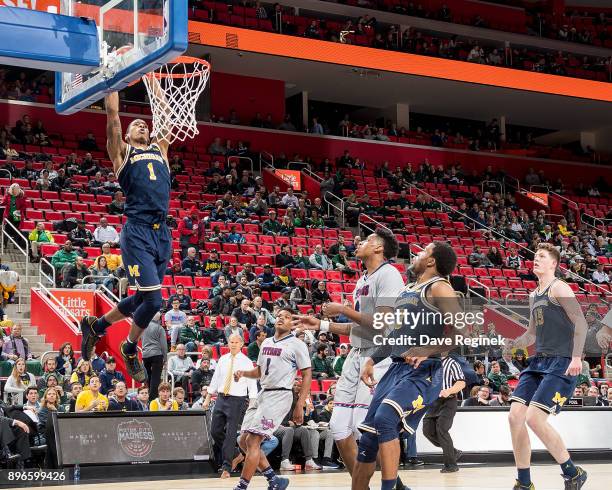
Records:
x=144, y=177
x=280, y=359
x=372, y=291
x=554, y=329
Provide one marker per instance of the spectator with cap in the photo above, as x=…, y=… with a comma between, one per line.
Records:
x=191, y=265
x=321, y=366
x=175, y=320
x=81, y=236
x=202, y=377
x=265, y=280
x=212, y=264
x=109, y=376
x=340, y=262
x=184, y=299
x=285, y=300
x=105, y=233
x=318, y=260
x=224, y=303
x=339, y=360
x=271, y=226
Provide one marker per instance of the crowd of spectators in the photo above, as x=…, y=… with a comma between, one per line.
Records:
x=366, y=30
x=24, y=85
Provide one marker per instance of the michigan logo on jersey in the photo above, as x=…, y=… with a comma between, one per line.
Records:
x=558, y=399
x=134, y=270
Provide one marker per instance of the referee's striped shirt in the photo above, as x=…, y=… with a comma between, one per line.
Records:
x=451, y=372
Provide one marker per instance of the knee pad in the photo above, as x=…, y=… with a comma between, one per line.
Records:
x=340, y=423
x=387, y=422
x=368, y=448
x=128, y=305
x=151, y=303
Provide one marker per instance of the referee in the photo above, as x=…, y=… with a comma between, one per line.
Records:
x=231, y=404
x=439, y=419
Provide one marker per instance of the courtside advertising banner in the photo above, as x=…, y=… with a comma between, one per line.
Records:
x=78, y=301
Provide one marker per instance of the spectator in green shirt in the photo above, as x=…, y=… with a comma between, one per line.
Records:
x=253, y=348
x=339, y=360
x=271, y=226
x=191, y=335
x=65, y=255
x=321, y=368
x=496, y=377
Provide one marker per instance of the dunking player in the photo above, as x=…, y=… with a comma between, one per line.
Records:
x=141, y=165
x=558, y=328
x=375, y=292
x=424, y=311
x=280, y=357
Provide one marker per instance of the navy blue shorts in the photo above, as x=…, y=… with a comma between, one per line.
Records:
x=407, y=390
x=544, y=384
x=145, y=251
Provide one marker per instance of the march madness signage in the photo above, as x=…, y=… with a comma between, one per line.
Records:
x=78, y=301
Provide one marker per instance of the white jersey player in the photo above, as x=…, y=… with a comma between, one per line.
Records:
x=280, y=358
x=376, y=292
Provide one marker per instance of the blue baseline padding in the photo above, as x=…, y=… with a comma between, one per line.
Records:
x=35, y=39
x=176, y=45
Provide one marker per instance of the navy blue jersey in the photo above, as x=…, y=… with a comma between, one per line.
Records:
x=423, y=319
x=554, y=329
x=144, y=177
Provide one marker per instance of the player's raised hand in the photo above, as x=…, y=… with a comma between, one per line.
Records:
x=305, y=322
x=332, y=309
x=367, y=373
x=575, y=367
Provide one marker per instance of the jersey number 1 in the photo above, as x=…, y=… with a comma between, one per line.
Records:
x=268, y=366
x=152, y=175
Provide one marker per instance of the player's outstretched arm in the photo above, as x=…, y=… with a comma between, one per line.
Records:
x=253, y=373
x=115, y=145
x=567, y=299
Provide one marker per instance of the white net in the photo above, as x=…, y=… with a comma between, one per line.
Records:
x=174, y=89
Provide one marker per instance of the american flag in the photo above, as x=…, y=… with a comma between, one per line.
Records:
x=77, y=80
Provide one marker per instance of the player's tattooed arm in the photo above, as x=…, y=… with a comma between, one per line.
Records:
x=564, y=295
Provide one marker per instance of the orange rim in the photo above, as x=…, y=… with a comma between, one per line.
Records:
x=186, y=60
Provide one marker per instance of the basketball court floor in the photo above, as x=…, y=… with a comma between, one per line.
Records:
x=470, y=477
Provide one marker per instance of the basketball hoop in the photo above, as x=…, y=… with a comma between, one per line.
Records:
x=174, y=89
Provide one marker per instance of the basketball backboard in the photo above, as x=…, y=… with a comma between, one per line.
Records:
x=135, y=36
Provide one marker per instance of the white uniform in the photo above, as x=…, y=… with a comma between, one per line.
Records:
x=353, y=396
x=279, y=361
